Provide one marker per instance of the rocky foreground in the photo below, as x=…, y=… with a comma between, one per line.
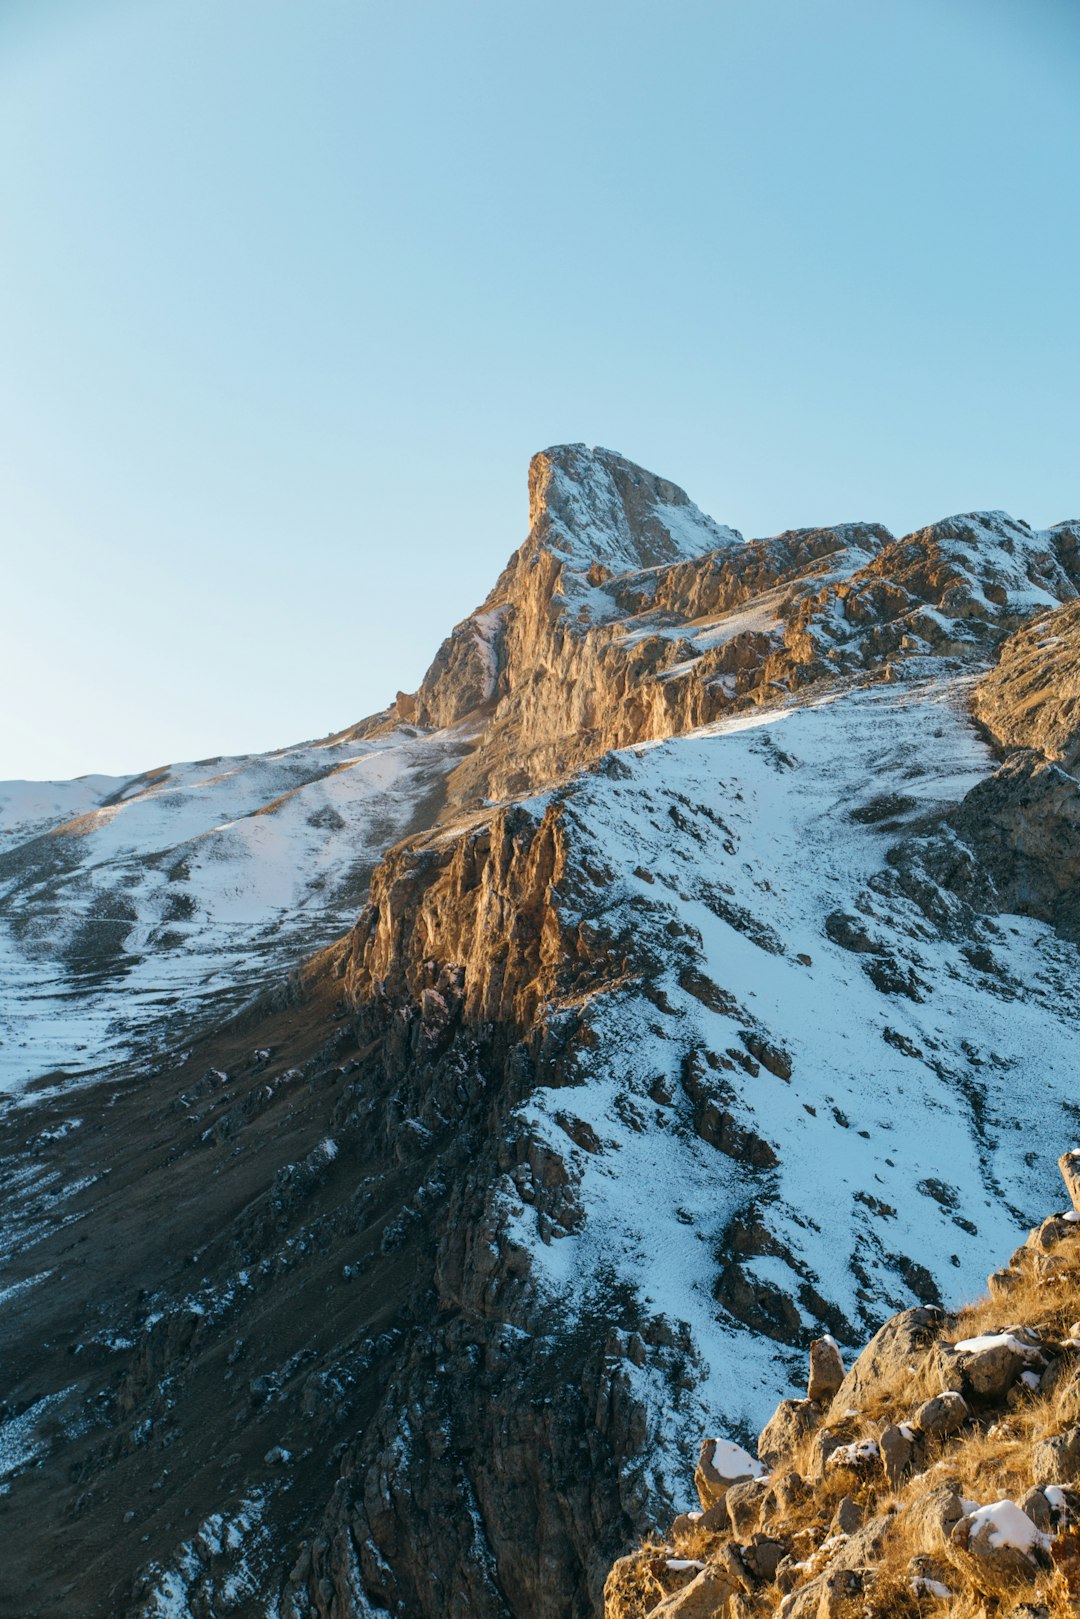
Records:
x=940, y=1474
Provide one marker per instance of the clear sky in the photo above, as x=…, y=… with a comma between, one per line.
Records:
x=290, y=290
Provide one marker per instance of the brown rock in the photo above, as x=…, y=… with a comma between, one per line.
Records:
x=826, y=1371
x=785, y=1430
x=1069, y=1164
x=903, y=1340
x=945, y=1414
x=1006, y=1550
x=744, y=1504
x=933, y=1517
x=712, y=1485
x=1057, y=1459
x=706, y=1597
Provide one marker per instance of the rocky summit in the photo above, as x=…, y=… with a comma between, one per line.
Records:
x=416, y=1142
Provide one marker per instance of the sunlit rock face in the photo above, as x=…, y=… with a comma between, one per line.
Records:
x=696, y=979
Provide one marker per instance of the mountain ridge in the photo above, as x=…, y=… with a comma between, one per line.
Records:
x=467, y=1224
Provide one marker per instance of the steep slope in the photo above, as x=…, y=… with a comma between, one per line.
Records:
x=407, y=1290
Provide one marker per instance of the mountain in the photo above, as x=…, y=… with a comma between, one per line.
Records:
x=416, y=1140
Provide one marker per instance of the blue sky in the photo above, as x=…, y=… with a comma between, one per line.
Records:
x=290, y=292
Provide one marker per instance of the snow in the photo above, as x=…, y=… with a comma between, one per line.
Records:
x=130, y=905
x=1008, y=1526
x=20, y=1436
x=682, y=1565
x=7, y=1293
x=732, y=1461
x=1057, y=1499
x=486, y=626
x=992, y=1340
x=925, y=1587
x=768, y=852
x=863, y=1450
x=585, y=521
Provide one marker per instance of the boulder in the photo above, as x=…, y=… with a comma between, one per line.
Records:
x=945, y=1414
x=847, y=1518
x=744, y=1503
x=826, y=1370
x=763, y=1557
x=706, y=1597
x=990, y=1369
x=1035, y=1506
x=999, y=1544
x=1057, y=1459
x=720, y=1465
x=1069, y=1164
x=885, y=1362
x=933, y=1517
x=786, y=1428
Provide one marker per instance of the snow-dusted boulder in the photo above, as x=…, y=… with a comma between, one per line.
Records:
x=999, y=1543
x=721, y=1464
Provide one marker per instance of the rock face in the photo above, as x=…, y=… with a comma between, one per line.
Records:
x=1015, y=838
x=1031, y=699
x=409, y=1289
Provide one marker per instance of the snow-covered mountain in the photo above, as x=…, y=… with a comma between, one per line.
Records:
x=698, y=975
x=129, y=908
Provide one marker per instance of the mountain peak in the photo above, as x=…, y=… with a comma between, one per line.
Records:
x=595, y=506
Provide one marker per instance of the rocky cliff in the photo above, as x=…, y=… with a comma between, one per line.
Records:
x=406, y=1290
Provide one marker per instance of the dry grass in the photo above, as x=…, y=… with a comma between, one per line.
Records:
x=989, y=1460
